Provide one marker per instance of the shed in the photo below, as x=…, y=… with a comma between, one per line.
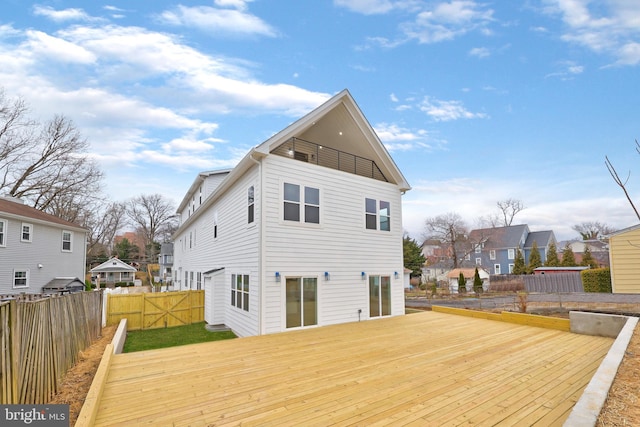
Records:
x=469, y=274
x=557, y=270
x=624, y=253
x=63, y=285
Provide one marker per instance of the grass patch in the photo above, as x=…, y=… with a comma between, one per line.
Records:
x=150, y=339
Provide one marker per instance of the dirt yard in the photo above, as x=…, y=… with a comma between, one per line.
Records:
x=621, y=408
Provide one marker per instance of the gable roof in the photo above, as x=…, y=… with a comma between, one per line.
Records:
x=113, y=265
x=339, y=119
x=542, y=239
x=499, y=237
x=625, y=230
x=12, y=207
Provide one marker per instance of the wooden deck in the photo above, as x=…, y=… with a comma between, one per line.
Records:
x=420, y=369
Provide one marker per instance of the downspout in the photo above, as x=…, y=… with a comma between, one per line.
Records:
x=261, y=274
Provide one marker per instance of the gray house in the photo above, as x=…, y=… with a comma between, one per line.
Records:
x=495, y=248
x=36, y=248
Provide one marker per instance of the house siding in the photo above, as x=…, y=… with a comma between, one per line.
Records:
x=236, y=249
x=624, y=252
x=45, y=248
x=340, y=245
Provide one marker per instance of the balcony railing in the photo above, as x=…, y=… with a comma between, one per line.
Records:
x=310, y=152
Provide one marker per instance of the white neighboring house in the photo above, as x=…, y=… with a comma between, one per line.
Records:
x=305, y=231
x=113, y=271
x=36, y=248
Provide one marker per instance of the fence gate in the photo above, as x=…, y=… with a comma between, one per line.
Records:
x=156, y=310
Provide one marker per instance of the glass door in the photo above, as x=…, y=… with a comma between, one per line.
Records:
x=301, y=301
x=379, y=296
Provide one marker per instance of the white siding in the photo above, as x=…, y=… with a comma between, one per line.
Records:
x=236, y=249
x=44, y=249
x=340, y=246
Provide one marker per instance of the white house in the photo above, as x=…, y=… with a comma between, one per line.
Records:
x=113, y=271
x=36, y=248
x=305, y=231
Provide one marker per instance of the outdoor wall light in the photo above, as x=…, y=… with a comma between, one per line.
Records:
x=326, y=275
x=277, y=276
x=40, y=265
x=363, y=275
x=395, y=274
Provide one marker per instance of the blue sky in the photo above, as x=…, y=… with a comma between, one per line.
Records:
x=476, y=101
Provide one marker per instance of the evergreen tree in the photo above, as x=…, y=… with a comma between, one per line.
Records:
x=587, y=258
x=518, y=265
x=552, y=256
x=568, y=258
x=535, y=260
x=462, y=284
x=477, y=282
x=125, y=250
x=413, y=258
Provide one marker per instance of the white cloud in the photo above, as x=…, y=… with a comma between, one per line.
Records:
x=443, y=111
x=215, y=21
x=480, y=52
x=61, y=50
x=72, y=14
x=366, y=7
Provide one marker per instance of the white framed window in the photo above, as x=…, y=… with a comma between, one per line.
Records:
x=240, y=291
x=511, y=254
x=215, y=225
x=186, y=279
x=478, y=249
x=20, y=278
x=67, y=241
x=250, y=205
x=511, y=266
x=492, y=254
x=198, y=280
x=301, y=203
x=377, y=214
x=26, y=232
x=478, y=261
x=496, y=268
x=3, y=232
x=467, y=257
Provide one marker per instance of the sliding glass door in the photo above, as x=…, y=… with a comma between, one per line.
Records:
x=302, y=301
x=379, y=296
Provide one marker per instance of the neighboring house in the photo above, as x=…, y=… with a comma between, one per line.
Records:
x=624, y=256
x=599, y=250
x=437, y=272
x=114, y=271
x=495, y=248
x=36, y=248
x=305, y=231
x=165, y=261
x=469, y=275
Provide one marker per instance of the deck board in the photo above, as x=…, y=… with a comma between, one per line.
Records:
x=421, y=369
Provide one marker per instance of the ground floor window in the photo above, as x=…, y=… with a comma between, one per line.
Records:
x=379, y=296
x=240, y=291
x=20, y=278
x=302, y=301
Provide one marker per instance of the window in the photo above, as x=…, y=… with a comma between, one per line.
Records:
x=250, y=205
x=478, y=249
x=377, y=216
x=198, y=280
x=496, y=269
x=215, y=225
x=27, y=232
x=511, y=254
x=240, y=291
x=467, y=257
x=492, y=254
x=294, y=200
x=478, y=261
x=191, y=280
x=511, y=268
x=186, y=279
x=3, y=232
x=20, y=278
x=67, y=238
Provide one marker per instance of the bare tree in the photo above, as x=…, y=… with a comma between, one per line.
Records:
x=622, y=184
x=45, y=164
x=103, y=222
x=510, y=208
x=451, y=230
x=592, y=230
x=151, y=215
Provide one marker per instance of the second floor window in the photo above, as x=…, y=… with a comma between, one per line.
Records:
x=492, y=254
x=3, y=232
x=301, y=204
x=27, y=232
x=66, y=241
x=511, y=254
x=377, y=215
x=250, y=205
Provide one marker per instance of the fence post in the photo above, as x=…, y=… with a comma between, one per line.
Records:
x=14, y=351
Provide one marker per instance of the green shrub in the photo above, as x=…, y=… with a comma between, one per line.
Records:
x=596, y=280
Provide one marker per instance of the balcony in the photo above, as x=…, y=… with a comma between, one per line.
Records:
x=310, y=152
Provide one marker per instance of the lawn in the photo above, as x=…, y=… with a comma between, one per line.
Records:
x=150, y=339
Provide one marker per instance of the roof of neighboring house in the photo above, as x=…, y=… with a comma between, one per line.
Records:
x=499, y=237
x=625, y=230
x=542, y=238
x=64, y=284
x=112, y=265
x=561, y=268
x=17, y=208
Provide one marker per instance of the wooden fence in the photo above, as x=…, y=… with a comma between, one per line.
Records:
x=156, y=310
x=41, y=340
x=552, y=282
